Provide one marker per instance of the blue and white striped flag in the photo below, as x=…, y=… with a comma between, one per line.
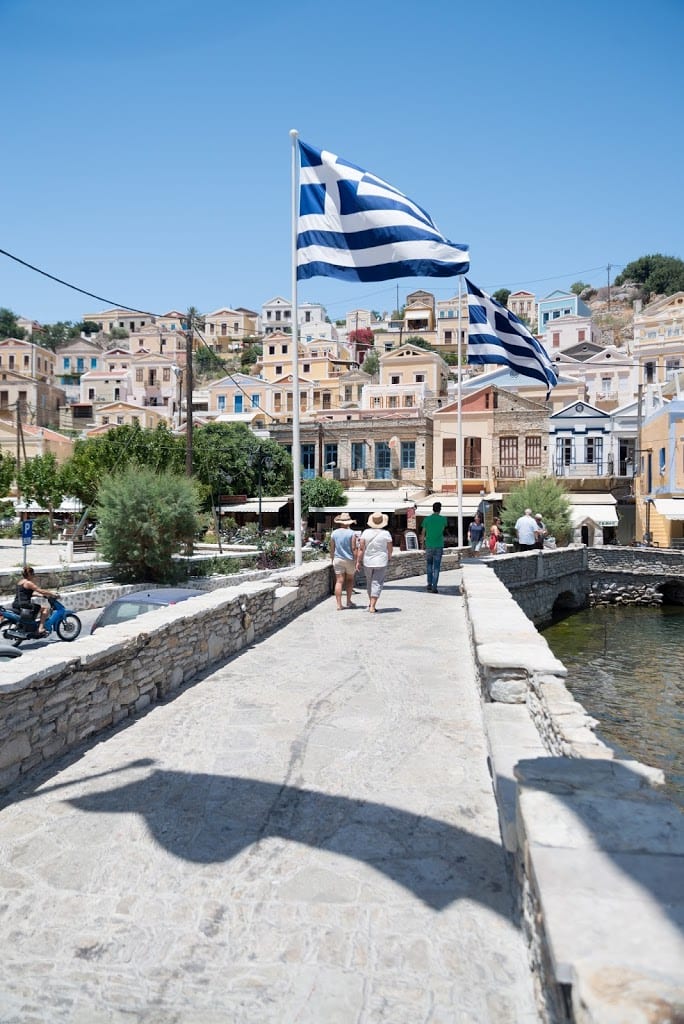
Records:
x=355, y=226
x=495, y=335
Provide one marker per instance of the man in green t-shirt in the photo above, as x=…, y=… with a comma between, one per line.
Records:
x=432, y=534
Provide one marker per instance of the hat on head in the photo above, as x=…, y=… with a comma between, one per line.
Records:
x=344, y=519
x=537, y=515
x=378, y=520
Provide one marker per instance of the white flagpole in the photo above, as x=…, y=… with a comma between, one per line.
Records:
x=296, y=446
x=459, y=432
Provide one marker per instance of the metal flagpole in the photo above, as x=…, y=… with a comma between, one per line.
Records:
x=296, y=447
x=459, y=432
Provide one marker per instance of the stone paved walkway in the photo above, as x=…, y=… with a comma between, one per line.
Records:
x=307, y=835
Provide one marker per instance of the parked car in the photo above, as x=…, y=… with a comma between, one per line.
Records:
x=7, y=651
x=141, y=601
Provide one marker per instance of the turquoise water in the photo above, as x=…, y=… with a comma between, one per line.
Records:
x=626, y=666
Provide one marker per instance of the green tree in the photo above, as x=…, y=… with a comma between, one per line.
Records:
x=87, y=327
x=542, y=494
x=96, y=457
x=227, y=457
x=41, y=479
x=118, y=334
x=9, y=324
x=662, y=275
x=320, y=491
x=249, y=356
x=371, y=363
x=144, y=519
x=578, y=287
x=53, y=336
x=501, y=295
x=415, y=339
x=8, y=467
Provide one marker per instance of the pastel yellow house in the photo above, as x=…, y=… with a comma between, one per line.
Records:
x=242, y=398
x=225, y=329
x=659, y=482
x=410, y=377
x=119, y=414
x=659, y=339
x=34, y=441
x=28, y=359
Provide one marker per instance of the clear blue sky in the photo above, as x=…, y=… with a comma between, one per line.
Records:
x=147, y=156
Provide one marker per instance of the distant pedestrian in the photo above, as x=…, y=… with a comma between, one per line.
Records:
x=496, y=537
x=526, y=531
x=476, y=533
x=375, y=551
x=541, y=533
x=432, y=534
x=342, y=556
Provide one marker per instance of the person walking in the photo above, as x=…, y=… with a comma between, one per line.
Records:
x=476, y=533
x=526, y=531
x=495, y=536
x=432, y=535
x=374, y=552
x=342, y=556
x=541, y=532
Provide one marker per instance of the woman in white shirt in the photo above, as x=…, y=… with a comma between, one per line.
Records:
x=374, y=551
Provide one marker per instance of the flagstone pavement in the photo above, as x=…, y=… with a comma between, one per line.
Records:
x=308, y=834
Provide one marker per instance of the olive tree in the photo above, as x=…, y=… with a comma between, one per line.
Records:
x=542, y=494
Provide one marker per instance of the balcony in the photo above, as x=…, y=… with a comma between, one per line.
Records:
x=581, y=469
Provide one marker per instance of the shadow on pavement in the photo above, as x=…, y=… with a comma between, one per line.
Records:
x=212, y=818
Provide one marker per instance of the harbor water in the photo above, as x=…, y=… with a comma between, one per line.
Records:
x=626, y=667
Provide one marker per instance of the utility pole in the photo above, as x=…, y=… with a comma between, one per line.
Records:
x=608, y=268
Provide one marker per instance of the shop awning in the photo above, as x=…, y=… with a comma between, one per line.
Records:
x=600, y=508
x=471, y=503
x=390, y=500
x=267, y=505
x=671, y=508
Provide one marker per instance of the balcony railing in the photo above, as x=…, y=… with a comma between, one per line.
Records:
x=576, y=469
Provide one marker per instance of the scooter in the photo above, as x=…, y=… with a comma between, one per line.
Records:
x=25, y=625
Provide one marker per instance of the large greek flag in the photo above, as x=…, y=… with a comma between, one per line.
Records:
x=355, y=226
x=495, y=335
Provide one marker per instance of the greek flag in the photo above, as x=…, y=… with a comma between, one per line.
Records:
x=495, y=335
x=355, y=226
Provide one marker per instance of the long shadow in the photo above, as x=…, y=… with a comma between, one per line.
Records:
x=212, y=818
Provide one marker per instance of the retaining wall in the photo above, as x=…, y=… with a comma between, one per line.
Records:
x=598, y=847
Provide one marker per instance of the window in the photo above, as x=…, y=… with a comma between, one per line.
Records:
x=563, y=453
x=594, y=452
x=330, y=456
x=582, y=335
x=448, y=336
x=649, y=369
x=221, y=403
x=26, y=361
x=271, y=350
x=533, y=451
x=376, y=402
x=119, y=420
x=278, y=369
x=93, y=363
x=284, y=349
x=408, y=401
x=449, y=452
x=661, y=461
x=308, y=461
x=327, y=404
x=166, y=374
x=392, y=402
x=306, y=368
x=420, y=378
x=671, y=367
x=11, y=362
x=395, y=379
x=277, y=401
x=408, y=454
x=91, y=394
x=105, y=420
x=358, y=455
x=508, y=452
x=139, y=376
x=555, y=339
x=347, y=392
x=224, y=330
x=256, y=401
x=66, y=362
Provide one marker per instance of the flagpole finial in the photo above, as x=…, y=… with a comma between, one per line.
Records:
x=294, y=133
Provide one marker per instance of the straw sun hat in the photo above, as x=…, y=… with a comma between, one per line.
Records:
x=378, y=520
x=344, y=519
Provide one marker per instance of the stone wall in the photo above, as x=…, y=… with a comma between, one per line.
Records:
x=55, y=698
x=540, y=579
x=597, y=845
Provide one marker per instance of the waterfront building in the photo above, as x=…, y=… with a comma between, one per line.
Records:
x=558, y=304
x=659, y=339
x=659, y=482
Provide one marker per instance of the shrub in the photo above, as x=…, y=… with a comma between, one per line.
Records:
x=144, y=518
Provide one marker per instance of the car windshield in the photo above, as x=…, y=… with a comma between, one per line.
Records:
x=121, y=611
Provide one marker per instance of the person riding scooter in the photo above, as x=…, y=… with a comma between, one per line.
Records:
x=27, y=590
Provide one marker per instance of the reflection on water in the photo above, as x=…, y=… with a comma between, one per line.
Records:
x=626, y=666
